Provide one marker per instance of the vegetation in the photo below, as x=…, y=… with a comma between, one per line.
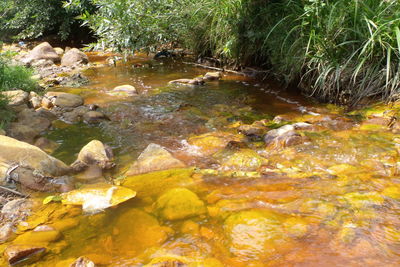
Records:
x=21, y=19
x=12, y=77
x=336, y=50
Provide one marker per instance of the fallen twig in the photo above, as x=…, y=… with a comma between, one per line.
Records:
x=12, y=191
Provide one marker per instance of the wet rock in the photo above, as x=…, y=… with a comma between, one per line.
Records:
x=29, y=157
x=94, y=117
x=127, y=89
x=39, y=238
x=74, y=80
x=74, y=116
x=65, y=100
x=154, y=158
x=83, y=262
x=210, y=143
x=16, y=97
x=137, y=230
x=252, y=234
x=45, y=113
x=211, y=76
x=97, y=197
x=286, y=135
x=258, y=128
x=196, y=81
x=46, y=145
x=73, y=57
x=16, y=209
x=242, y=159
x=94, y=153
x=6, y=232
x=179, y=203
x=42, y=51
x=169, y=261
x=22, y=132
x=27, y=254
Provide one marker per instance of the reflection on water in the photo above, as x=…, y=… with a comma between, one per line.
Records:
x=331, y=200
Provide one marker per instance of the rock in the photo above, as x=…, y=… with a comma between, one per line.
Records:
x=42, y=63
x=39, y=238
x=74, y=80
x=23, y=253
x=94, y=153
x=188, y=81
x=76, y=115
x=6, y=232
x=137, y=230
x=16, y=209
x=179, y=203
x=42, y=51
x=30, y=157
x=45, y=113
x=83, y=262
x=211, y=76
x=285, y=135
x=59, y=51
x=65, y=100
x=210, y=143
x=74, y=56
x=2, y=132
x=97, y=197
x=94, y=117
x=171, y=261
x=46, y=145
x=129, y=89
x=36, y=102
x=22, y=132
x=154, y=158
x=16, y=97
x=252, y=233
x=46, y=103
x=242, y=160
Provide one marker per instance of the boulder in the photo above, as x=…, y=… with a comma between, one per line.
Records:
x=16, y=97
x=129, y=89
x=179, y=203
x=27, y=254
x=64, y=100
x=42, y=51
x=94, y=153
x=29, y=157
x=211, y=76
x=74, y=56
x=154, y=158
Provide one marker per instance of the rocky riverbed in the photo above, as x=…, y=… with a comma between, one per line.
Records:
x=159, y=163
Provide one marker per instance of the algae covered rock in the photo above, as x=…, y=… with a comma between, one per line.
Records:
x=97, y=197
x=253, y=233
x=210, y=143
x=154, y=158
x=155, y=183
x=179, y=203
x=136, y=229
x=242, y=159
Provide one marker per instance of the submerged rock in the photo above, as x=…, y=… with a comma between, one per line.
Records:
x=154, y=158
x=124, y=90
x=94, y=153
x=83, y=262
x=74, y=56
x=211, y=76
x=210, y=143
x=26, y=254
x=46, y=145
x=94, y=117
x=179, y=203
x=97, y=197
x=242, y=159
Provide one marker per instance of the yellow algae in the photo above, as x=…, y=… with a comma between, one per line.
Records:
x=295, y=227
x=154, y=183
x=210, y=143
x=38, y=237
x=65, y=224
x=190, y=227
x=135, y=230
x=243, y=160
x=179, y=203
x=392, y=192
x=360, y=200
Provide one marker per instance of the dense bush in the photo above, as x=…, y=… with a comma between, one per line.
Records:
x=334, y=49
x=22, y=19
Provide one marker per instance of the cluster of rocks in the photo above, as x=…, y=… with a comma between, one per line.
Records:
x=209, y=76
x=35, y=113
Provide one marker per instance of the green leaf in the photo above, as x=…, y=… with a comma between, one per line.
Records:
x=49, y=199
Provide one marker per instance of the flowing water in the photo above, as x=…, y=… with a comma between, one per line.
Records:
x=330, y=200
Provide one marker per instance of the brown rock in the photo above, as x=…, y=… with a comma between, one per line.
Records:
x=94, y=153
x=74, y=56
x=94, y=117
x=210, y=76
x=23, y=253
x=187, y=81
x=65, y=100
x=42, y=51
